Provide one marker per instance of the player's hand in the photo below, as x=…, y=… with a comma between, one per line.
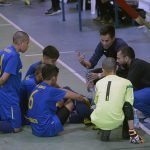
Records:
x=135, y=138
x=92, y=76
x=60, y=104
x=86, y=102
x=81, y=58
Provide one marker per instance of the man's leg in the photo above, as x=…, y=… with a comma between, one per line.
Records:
x=64, y=112
x=10, y=119
x=134, y=137
x=55, y=9
x=5, y=127
x=57, y=6
x=142, y=101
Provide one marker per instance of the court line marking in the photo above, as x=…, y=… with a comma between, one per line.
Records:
x=41, y=46
x=4, y=24
x=144, y=128
x=67, y=52
x=59, y=61
x=34, y=54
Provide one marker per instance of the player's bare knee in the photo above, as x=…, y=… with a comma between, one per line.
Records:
x=69, y=106
x=16, y=130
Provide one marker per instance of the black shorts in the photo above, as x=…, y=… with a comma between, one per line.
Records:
x=63, y=114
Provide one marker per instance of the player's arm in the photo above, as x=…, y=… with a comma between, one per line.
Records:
x=84, y=62
x=30, y=71
x=4, y=78
x=129, y=96
x=76, y=96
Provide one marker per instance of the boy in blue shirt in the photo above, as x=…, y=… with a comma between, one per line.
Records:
x=46, y=120
x=27, y=86
x=10, y=83
x=50, y=56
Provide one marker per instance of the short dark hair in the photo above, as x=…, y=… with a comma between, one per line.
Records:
x=51, y=52
x=20, y=36
x=39, y=69
x=49, y=71
x=108, y=29
x=127, y=51
x=109, y=64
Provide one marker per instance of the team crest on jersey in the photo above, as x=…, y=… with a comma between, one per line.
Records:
x=7, y=50
x=41, y=86
x=20, y=70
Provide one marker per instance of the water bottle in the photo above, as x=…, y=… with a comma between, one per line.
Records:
x=136, y=119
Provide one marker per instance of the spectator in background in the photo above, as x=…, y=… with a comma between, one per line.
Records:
x=4, y=3
x=105, y=11
x=28, y=2
x=55, y=9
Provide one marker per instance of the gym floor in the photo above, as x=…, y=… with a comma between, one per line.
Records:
x=51, y=30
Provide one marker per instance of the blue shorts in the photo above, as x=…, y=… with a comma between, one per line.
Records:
x=11, y=114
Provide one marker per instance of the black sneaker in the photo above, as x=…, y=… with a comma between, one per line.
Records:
x=51, y=9
x=105, y=134
x=41, y=1
x=52, y=12
x=5, y=4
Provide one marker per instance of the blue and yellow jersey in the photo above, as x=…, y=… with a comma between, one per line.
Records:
x=32, y=68
x=10, y=63
x=42, y=110
x=27, y=86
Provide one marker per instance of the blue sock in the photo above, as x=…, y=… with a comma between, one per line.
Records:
x=5, y=127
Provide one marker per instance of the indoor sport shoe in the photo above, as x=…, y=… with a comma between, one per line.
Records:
x=5, y=4
x=27, y=2
x=105, y=135
x=87, y=122
x=136, y=140
x=52, y=12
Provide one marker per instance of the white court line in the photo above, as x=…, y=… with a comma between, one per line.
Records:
x=3, y=25
x=41, y=53
x=144, y=128
x=67, y=52
x=33, y=55
x=41, y=46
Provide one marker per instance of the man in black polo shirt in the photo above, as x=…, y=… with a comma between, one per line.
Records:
x=107, y=46
x=139, y=75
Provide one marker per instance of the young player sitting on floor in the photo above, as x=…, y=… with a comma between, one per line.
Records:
x=46, y=120
x=50, y=56
x=27, y=86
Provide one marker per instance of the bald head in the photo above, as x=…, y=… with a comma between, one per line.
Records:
x=20, y=37
x=109, y=64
